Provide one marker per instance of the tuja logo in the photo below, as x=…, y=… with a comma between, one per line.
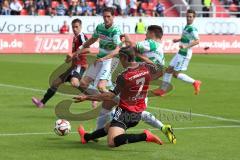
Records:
x=48, y=44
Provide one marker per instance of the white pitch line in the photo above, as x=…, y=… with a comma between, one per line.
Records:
x=164, y=109
x=196, y=114
x=131, y=130
x=30, y=89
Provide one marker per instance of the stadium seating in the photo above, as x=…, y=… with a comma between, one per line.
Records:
x=148, y=7
x=54, y=4
x=24, y=12
x=41, y=12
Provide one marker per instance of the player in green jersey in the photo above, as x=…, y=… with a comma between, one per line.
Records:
x=181, y=60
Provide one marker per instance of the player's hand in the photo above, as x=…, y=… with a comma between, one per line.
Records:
x=175, y=40
x=182, y=47
x=80, y=98
x=98, y=60
x=68, y=58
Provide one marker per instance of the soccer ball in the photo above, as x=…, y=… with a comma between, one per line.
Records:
x=62, y=127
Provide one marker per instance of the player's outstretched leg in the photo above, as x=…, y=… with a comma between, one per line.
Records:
x=85, y=137
x=118, y=137
x=48, y=95
x=196, y=83
x=168, y=131
x=167, y=77
x=151, y=120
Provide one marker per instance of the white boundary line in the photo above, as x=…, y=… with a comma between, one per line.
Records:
x=156, y=108
x=131, y=130
x=30, y=89
x=196, y=114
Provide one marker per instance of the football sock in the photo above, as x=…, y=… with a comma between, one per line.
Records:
x=49, y=94
x=95, y=135
x=185, y=78
x=102, y=118
x=129, y=138
x=167, y=77
x=151, y=120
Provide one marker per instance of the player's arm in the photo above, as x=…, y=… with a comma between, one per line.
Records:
x=86, y=45
x=117, y=41
x=144, y=58
x=106, y=96
x=193, y=43
x=176, y=40
x=154, y=71
x=111, y=55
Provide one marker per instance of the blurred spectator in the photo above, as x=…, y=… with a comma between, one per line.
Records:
x=159, y=9
x=99, y=7
x=32, y=11
x=140, y=10
x=227, y=2
x=140, y=27
x=51, y=11
x=116, y=4
x=79, y=8
x=73, y=9
x=133, y=7
x=40, y=5
x=65, y=28
x=123, y=7
x=15, y=7
x=86, y=10
x=5, y=8
x=109, y=3
x=29, y=4
x=61, y=8
x=94, y=12
x=206, y=7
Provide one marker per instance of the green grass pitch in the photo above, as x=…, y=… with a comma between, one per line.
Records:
x=207, y=126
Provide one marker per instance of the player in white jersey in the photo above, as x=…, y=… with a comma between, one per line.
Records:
x=108, y=35
x=150, y=50
x=181, y=59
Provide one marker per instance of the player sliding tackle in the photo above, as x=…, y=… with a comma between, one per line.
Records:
x=150, y=51
x=181, y=60
x=132, y=86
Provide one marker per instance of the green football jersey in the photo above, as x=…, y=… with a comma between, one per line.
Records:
x=109, y=38
x=152, y=49
x=189, y=34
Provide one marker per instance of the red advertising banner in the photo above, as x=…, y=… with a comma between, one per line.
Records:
x=57, y=43
x=33, y=43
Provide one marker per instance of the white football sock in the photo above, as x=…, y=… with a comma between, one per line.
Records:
x=167, y=77
x=151, y=120
x=185, y=78
x=102, y=118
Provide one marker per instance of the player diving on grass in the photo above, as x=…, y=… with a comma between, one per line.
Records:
x=181, y=59
x=131, y=86
x=147, y=117
x=77, y=69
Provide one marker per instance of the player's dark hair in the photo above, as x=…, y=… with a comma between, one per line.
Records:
x=191, y=11
x=109, y=9
x=77, y=21
x=157, y=30
x=128, y=52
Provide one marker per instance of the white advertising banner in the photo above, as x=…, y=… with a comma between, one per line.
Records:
x=170, y=25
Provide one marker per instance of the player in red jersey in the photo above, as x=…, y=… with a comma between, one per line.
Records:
x=75, y=72
x=132, y=86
